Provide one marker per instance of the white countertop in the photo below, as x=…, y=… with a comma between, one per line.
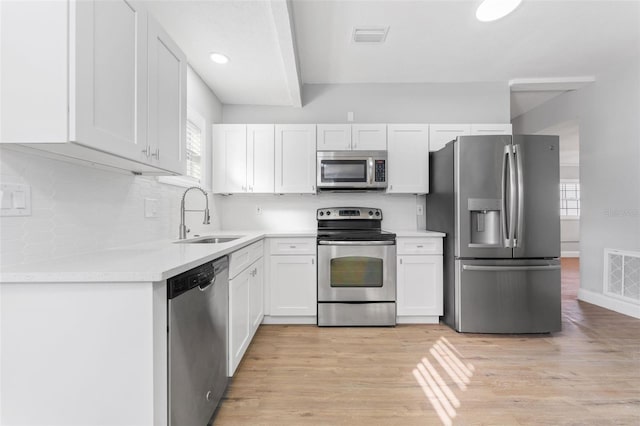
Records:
x=419, y=233
x=147, y=262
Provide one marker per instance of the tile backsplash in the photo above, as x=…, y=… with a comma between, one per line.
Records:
x=78, y=209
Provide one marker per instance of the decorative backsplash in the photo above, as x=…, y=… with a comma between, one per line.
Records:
x=78, y=209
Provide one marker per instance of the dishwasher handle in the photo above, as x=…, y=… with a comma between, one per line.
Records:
x=207, y=284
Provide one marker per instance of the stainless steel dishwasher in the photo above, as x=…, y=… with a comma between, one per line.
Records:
x=198, y=306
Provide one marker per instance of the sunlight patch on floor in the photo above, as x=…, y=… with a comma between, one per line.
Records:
x=434, y=386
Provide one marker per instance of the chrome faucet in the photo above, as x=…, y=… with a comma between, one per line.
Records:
x=183, y=227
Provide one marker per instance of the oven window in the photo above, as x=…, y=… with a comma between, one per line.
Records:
x=356, y=271
x=344, y=170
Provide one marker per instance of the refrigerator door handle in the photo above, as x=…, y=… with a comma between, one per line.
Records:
x=503, y=215
x=510, y=268
x=519, y=227
x=512, y=197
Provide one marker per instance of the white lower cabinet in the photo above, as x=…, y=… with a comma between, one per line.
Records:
x=419, y=275
x=246, y=301
x=292, y=278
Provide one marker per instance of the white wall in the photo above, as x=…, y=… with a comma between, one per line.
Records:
x=386, y=103
x=372, y=103
x=76, y=208
x=607, y=112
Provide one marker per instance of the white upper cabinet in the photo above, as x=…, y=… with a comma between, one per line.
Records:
x=167, y=100
x=334, y=137
x=352, y=137
x=369, y=137
x=76, y=74
x=408, y=157
x=295, y=163
x=243, y=158
x=260, y=158
x=229, y=158
x=491, y=129
x=111, y=77
x=440, y=134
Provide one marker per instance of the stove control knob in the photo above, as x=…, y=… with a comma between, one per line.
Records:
x=377, y=213
x=328, y=213
x=321, y=213
x=370, y=213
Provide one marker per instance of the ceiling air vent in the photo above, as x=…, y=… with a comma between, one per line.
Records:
x=369, y=35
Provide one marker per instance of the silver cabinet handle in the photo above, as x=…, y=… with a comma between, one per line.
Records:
x=401, y=261
x=419, y=246
x=313, y=261
x=156, y=154
x=292, y=247
x=250, y=188
x=510, y=268
x=147, y=151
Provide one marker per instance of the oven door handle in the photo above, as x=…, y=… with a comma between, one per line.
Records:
x=356, y=243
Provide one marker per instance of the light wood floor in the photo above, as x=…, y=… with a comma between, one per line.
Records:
x=588, y=374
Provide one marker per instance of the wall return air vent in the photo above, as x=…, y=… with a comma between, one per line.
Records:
x=370, y=35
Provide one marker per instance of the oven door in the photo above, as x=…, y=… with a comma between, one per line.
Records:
x=356, y=271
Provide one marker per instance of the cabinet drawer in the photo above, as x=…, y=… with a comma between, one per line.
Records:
x=241, y=259
x=419, y=245
x=293, y=246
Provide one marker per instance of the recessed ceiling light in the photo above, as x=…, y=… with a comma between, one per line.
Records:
x=492, y=10
x=219, y=58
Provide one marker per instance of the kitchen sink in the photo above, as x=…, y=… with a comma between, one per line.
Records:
x=208, y=240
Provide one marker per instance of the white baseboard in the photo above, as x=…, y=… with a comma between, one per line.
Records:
x=570, y=254
x=268, y=319
x=418, y=319
x=610, y=303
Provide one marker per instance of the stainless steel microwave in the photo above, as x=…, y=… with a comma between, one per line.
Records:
x=351, y=170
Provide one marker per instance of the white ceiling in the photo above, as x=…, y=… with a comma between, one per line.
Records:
x=275, y=45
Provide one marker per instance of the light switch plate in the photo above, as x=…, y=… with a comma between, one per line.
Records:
x=15, y=199
x=151, y=206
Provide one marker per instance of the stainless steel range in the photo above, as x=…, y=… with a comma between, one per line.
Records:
x=356, y=268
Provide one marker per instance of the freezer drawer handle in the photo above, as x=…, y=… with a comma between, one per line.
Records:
x=510, y=268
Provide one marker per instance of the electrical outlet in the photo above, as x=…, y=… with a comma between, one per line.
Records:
x=258, y=210
x=419, y=209
x=151, y=207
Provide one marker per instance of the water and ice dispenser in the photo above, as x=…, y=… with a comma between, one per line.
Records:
x=484, y=214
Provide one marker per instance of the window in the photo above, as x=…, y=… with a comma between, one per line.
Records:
x=194, y=150
x=569, y=199
x=195, y=153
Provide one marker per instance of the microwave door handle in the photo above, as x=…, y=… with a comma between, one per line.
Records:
x=370, y=171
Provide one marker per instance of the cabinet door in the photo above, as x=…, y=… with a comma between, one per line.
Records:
x=111, y=77
x=256, y=295
x=229, y=158
x=419, y=285
x=295, y=159
x=491, y=129
x=369, y=137
x=167, y=100
x=408, y=156
x=239, y=321
x=440, y=134
x=260, y=158
x=293, y=285
x=33, y=34
x=334, y=137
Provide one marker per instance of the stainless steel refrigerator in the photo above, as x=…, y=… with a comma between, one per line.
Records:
x=497, y=199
